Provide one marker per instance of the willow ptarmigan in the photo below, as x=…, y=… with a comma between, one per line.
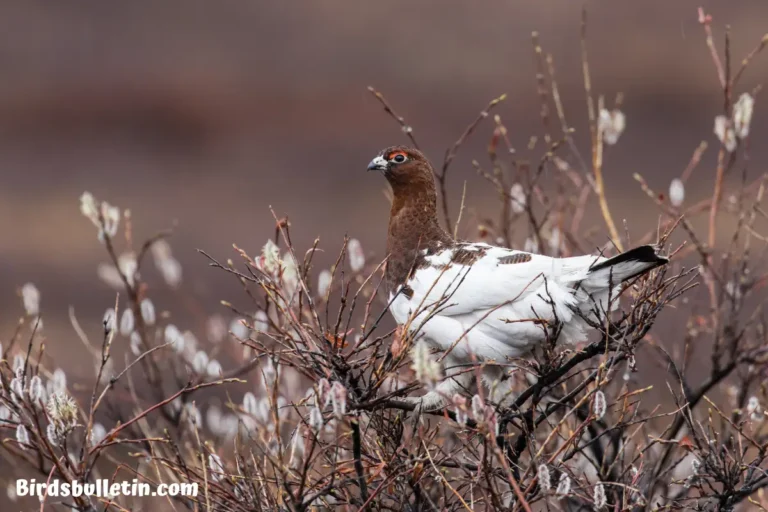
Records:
x=468, y=299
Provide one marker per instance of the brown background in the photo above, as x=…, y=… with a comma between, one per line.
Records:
x=206, y=113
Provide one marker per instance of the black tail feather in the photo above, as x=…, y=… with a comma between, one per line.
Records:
x=643, y=254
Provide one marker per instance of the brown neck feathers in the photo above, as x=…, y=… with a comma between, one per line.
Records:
x=413, y=227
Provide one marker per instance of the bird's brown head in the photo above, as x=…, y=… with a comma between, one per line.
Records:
x=413, y=214
x=405, y=168
x=413, y=224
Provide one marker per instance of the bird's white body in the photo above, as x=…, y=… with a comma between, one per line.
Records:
x=501, y=304
x=480, y=303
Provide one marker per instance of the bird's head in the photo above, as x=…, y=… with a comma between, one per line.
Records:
x=403, y=167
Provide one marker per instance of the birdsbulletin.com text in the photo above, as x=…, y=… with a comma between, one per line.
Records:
x=101, y=488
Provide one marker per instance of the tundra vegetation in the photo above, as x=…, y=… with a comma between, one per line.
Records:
x=289, y=398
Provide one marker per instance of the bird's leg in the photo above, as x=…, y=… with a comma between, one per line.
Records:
x=421, y=404
x=431, y=401
x=443, y=392
x=500, y=391
x=499, y=382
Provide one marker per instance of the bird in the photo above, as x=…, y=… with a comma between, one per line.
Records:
x=479, y=303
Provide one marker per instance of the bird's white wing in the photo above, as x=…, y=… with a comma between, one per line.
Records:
x=498, y=297
x=471, y=277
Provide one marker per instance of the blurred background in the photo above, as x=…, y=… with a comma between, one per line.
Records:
x=200, y=115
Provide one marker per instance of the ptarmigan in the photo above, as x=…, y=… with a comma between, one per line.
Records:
x=475, y=299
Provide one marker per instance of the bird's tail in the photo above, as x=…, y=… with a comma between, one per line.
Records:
x=596, y=283
x=624, y=266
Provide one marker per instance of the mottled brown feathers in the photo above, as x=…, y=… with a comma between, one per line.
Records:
x=463, y=256
x=518, y=257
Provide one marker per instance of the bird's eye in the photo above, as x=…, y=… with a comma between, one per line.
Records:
x=398, y=158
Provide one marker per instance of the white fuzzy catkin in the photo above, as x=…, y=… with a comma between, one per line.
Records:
x=172, y=335
x=216, y=329
x=58, y=382
x=128, y=265
x=109, y=320
x=200, y=362
x=754, y=409
x=126, y=322
x=545, y=481
x=214, y=369
x=110, y=276
x=264, y=411
x=62, y=410
x=742, y=114
x=161, y=250
x=725, y=133
x=98, y=433
x=18, y=365
x=148, y=312
x=268, y=374
x=260, y=321
x=676, y=192
x=611, y=124
x=213, y=419
x=599, y=405
x=30, y=296
x=171, y=272
x=135, y=341
x=36, y=389
x=298, y=448
x=564, y=485
x=89, y=208
x=270, y=257
x=53, y=434
x=17, y=390
x=189, y=343
x=517, y=198
x=11, y=490
x=290, y=276
x=22, y=435
x=695, y=466
x=599, y=496
x=238, y=329
x=111, y=216
x=316, y=419
x=753, y=404
x=356, y=255
x=216, y=467
x=250, y=404
x=324, y=282
x=193, y=415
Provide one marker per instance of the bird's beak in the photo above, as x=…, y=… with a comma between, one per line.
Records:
x=378, y=164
